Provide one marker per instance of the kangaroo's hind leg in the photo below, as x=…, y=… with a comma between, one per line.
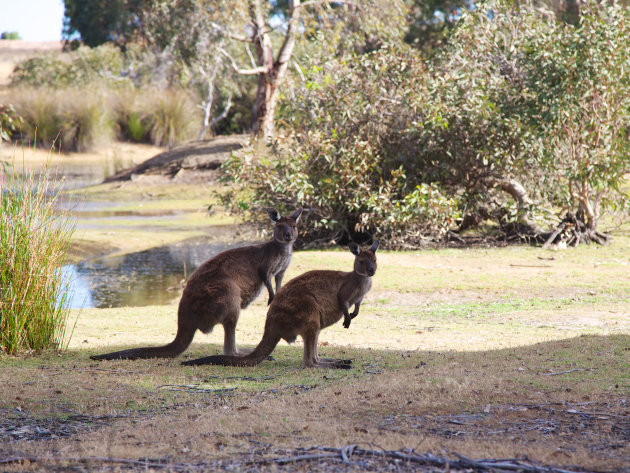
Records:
x=334, y=362
x=312, y=360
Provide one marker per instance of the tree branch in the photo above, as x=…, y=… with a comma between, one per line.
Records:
x=223, y=114
x=237, y=37
x=322, y=2
x=245, y=72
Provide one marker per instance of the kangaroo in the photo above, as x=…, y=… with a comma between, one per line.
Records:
x=305, y=306
x=222, y=286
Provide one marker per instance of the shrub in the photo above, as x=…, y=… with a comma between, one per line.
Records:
x=10, y=35
x=84, y=66
x=349, y=159
x=10, y=122
x=519, y=120
x=34, y=239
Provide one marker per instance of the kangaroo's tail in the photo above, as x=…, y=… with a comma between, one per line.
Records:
x=182, y=340
x=257, y=355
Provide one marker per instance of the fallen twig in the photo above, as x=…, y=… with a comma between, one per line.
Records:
x=346, y=453
x=246, y=378
x=190, y=388
x=8, y=460
x=565, y=372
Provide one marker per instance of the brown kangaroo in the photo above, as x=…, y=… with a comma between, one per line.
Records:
x=222, y=286
x=305, y=306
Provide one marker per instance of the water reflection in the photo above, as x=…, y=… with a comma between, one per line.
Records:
x=150, y=277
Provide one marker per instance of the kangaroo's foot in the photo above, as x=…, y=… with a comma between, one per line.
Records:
x=336, y=360
x=331, y=363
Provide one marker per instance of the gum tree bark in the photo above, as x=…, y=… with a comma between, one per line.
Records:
x=271, y=71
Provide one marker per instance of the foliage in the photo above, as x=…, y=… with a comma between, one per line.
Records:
x=72, y=120
x=85, y=66
x=10, y=122
x=581, y=107
x=10, y=35
x=429, y=23
x=348, y=160
x=549, y=103
x=34, y=239
x=518, y=117
x=102, y=21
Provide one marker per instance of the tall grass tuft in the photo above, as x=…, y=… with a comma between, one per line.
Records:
x=41, y=113
x=174, y=117
x=75, y=119
x=78, y=119
x=34, y=240
x=86, y=120
x=132, y=120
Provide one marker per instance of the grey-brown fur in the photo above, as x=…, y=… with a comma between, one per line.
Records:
x=222, y=286
x=306, y=305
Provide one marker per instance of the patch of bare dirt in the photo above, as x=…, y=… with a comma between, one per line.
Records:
x=196, y=161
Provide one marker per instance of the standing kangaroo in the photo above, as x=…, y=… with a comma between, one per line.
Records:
x=222, y=286
x=305, y=306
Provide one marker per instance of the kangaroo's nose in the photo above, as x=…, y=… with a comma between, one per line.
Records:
x=287, y=235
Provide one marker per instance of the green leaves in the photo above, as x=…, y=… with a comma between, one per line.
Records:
x=517, y=117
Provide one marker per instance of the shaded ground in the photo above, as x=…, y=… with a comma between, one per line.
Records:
x=196, y=161
x=418, y=411
x=517, y=354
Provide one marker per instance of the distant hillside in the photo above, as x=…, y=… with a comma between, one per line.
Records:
x=14, y=50
x=18, y=46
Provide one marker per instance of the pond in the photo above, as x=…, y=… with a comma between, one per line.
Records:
x=150, y=277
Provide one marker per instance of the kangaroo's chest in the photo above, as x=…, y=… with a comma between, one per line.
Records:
x=277, y=265
x=355, y=293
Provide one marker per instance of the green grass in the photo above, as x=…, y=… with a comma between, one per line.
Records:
x=34, y=240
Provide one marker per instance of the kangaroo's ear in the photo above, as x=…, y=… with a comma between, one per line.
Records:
x=296, y=215
x=374, y=246
x=274, y=215
x=354, y=248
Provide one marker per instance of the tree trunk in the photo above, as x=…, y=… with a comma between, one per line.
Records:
x=272, y=72
x=520, y=195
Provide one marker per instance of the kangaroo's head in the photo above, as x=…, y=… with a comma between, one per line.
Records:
x=285, y=231
x=365, y=261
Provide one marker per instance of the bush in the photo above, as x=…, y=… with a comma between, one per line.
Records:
x=10, y=122
x=10, y=35
x=86, y=120
x=34, y=239
x=350, y=160
x=519, y=120
x=80, y=68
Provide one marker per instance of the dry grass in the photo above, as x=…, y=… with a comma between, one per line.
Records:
x=532, y=362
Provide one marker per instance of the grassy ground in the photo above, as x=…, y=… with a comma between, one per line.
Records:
x=487, y=353
x=515, y=353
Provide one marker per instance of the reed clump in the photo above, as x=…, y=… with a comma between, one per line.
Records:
x=34, y=239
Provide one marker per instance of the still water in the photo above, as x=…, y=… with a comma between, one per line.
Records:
x=150, y=277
